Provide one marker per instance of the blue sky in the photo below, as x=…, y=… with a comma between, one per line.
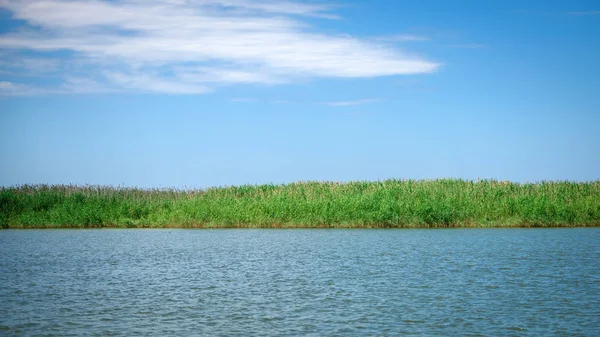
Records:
x=184, y=93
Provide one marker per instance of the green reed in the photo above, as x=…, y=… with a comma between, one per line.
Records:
x=390, y=203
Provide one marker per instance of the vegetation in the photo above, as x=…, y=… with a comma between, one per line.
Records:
x=390, y=203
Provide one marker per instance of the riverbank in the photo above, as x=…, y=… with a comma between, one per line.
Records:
x=384, y=204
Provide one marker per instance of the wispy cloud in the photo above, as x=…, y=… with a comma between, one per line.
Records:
x=360, y=113
x=574, y=13
x=8, y=86
x=281, y=101
x=469, y=45
x=28, y=65
x=70, y=85
x=244, y=100
x=189, y=46
x=257, y=100
x=154, y=83
x=584, y=13
x=403, y=38
x=353, y=102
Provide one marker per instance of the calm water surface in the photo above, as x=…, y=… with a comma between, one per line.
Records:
x=478, y=282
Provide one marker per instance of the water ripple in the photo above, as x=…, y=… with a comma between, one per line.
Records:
x=300, y=282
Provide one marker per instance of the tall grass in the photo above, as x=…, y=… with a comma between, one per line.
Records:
x=390, y=203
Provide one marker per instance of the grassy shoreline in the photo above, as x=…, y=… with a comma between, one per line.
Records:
x=383, y=204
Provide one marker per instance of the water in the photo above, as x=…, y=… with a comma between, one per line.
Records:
x=478, y=282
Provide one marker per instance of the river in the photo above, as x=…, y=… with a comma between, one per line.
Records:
x=477, y=282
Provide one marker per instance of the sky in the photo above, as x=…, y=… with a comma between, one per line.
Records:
x=201, y=93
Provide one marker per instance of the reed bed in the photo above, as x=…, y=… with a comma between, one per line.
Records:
x=382, y=204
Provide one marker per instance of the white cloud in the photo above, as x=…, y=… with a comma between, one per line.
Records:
x=225, y=75
x=149, y=83
x=192, y=46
